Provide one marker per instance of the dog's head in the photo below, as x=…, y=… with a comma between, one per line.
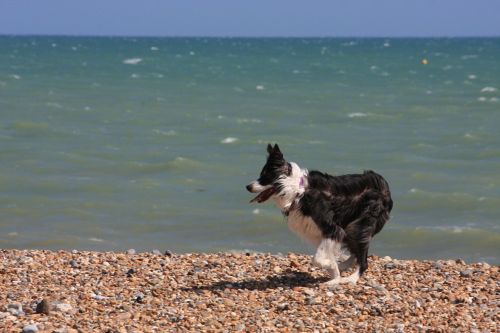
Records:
x=275, y=169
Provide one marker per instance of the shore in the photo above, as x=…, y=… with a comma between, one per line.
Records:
x=82, y=291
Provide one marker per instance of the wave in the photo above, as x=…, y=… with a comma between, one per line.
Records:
x=132, y=61
x=358, y=115
x=229, y=140
x=489, y=89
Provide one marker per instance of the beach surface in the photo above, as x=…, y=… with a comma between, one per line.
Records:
x=79, y=291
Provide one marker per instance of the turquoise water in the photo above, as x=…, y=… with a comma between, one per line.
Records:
x=117, y=143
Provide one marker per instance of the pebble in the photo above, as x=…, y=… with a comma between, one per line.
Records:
x=239, y=292
x=131, y=251
x=63, y=307
x=466, y=273
x=43, y=307
x=390, y=265
x=15, y=309
x=30, y=329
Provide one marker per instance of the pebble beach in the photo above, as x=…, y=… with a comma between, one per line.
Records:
x=79, y=291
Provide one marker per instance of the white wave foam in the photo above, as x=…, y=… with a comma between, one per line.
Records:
x=259, y=87
x=469, y=56
x=165, y=133
x=256, y=211
x=489, y=89
x=134, y=76
x=97, y=240
x=357, y=115
x=54, y=105
x=229, y=140
x=472, y=77
x=494, y=99
x=132, y=61
x=482, y=99
x=154, y=48
x=247, y=120
x=16, y=77
x=351, y=43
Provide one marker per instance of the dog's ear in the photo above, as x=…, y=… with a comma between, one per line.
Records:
x=270, y=148
x=277, y=149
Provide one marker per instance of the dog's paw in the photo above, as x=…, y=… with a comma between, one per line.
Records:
x=342, y=280
x=321, y=262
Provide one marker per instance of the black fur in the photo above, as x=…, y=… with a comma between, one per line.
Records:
x=350, y=208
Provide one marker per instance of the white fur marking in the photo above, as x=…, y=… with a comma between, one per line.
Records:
x=305, y=228
x=353, y=278
x=293, y=187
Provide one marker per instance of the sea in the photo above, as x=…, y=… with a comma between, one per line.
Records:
x=113, y=143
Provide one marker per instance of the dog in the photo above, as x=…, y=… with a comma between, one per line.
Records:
x=338, y=215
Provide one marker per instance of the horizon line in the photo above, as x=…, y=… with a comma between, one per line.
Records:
x=245, y=36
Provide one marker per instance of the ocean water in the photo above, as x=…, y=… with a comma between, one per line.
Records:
x=148, y=143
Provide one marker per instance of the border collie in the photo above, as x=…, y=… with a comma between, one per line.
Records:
x=338, y=215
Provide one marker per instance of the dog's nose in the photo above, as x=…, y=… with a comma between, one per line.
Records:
x=249, y=188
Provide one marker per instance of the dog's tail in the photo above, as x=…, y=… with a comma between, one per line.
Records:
x=379, y=183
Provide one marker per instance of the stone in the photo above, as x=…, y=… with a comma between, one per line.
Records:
x=63, y=307
x=466, y=273
x=30, y=329
x=73, y=263
x=131, y=251
x=43, y=307
x=130, y=272
x=15, y=309
x=156, y=252
x=309, y=292
x=283, y=306
x=139, y=298
x=390, y=265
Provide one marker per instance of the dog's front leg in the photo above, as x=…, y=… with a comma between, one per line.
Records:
x=325, y=257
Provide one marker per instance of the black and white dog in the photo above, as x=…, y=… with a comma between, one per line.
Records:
x=339, y=215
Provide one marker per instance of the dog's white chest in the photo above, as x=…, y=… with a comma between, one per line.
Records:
x=304, y=227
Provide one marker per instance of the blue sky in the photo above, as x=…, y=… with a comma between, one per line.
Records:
x=257, y=18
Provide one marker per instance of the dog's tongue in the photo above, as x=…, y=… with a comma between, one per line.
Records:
x=264, y=195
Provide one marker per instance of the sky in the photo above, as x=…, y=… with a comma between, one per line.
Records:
x=252, y=18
